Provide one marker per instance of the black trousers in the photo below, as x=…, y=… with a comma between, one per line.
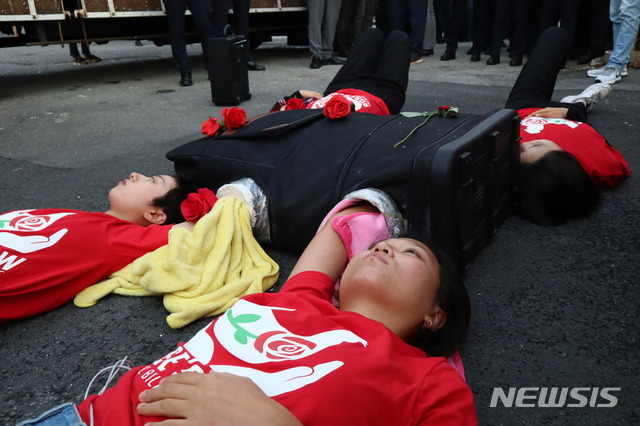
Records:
x=536, y=82
x=410, y=16
x=378, y=65
x=201, y=15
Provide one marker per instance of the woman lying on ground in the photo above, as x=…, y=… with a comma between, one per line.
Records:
x=374, y=78
x=292, y=357
x=564, y=160
x=47, y=256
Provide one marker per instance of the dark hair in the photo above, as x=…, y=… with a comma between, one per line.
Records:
x=555, y=188
x=170, y=202
x=454, y=301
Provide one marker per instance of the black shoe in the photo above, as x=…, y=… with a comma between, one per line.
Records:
x=251, y=65
x=427, y=52
x=333, y=61
x=588, y=57
x=185, y=78
x=475, y=56
x=516, y=61
x=493, y=60
x=416, y=58
x=448, y=55
x=316, y=62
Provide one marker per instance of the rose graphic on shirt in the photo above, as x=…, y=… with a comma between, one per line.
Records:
x=535, y=125
x=29, y=223
x=281, y=345
x=23, y=221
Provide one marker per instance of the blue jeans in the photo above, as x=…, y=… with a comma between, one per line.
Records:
x=625, y=18
x=62, y=415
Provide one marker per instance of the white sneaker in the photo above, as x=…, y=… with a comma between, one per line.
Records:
x=589, y=96
x=597, y=71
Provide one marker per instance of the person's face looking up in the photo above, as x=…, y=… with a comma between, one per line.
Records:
x=398, y=276
x=534, y=150
x=132, y=199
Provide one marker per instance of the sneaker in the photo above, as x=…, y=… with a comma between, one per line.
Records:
x=609, y=75
x=416, y=58
x=597, y=71
x=589, y=96
x=251, y=195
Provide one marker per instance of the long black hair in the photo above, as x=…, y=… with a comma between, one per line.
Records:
x=170, y=202
x=555, y=189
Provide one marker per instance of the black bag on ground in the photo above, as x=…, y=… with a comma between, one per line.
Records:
x=228, y=73
x=454, y=179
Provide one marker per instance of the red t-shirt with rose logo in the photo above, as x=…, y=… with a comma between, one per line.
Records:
x=326, y=366
x=47, y=256
x=603, y=163
x=362, y=101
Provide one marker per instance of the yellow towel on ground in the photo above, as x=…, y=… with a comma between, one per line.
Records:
x=200, y=273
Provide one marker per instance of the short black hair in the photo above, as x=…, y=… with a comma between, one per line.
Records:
x=454, y=301
x=555, y=189
x=170, y=202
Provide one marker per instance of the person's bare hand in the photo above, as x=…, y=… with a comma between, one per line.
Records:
x=220, y=399
x=551, y=112
x=310, y=94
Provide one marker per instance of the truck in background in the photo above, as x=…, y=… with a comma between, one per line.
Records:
x=46, y=22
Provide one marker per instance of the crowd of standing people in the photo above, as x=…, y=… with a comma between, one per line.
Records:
x=490, y=25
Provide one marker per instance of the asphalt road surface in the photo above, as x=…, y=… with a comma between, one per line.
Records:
x=553, y=307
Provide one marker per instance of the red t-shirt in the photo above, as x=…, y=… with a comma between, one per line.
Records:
x=601, y=161
x=325, y=366
x=363, y=101
x=47, y=256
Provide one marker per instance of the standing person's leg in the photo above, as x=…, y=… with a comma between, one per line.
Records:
x=453, y=25
x=201, y=15
x=241, y=24
x=536, y=82
x=175, y=16
x=482, y=22
x=220, y=16
x=315, y=9
x=329, y=24
x=429, y=43
x=599, y=26
x=521, y=23
x=345, y=26
x=418, y=10
x=362, y=61
x=625, y=19
x=501, y=15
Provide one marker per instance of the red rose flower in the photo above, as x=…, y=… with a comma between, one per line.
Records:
x=337, y=107
x=198, y=204
x=294, y=103
x=447, y=111
x=234, y=117
x=210, y=127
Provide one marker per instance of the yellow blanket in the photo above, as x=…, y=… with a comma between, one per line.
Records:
x=200, y=273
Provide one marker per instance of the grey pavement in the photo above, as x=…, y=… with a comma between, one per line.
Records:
x=553, y=307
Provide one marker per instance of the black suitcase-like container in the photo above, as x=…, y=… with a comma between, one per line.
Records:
x=228, y=73
x=454, y=179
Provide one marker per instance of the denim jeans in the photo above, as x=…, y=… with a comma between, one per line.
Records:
x=625, y=18
x=62, y=415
